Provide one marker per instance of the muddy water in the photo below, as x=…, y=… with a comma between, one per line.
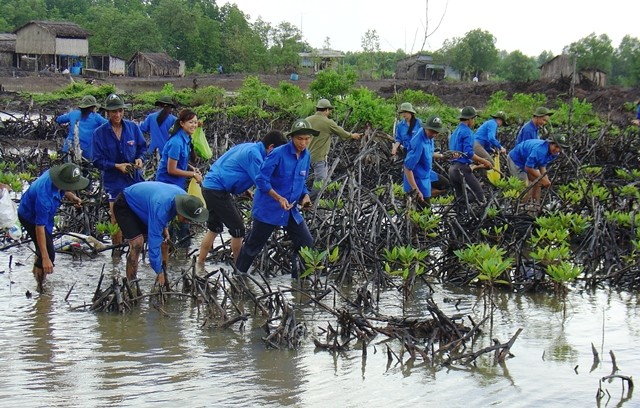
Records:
x=52, y=356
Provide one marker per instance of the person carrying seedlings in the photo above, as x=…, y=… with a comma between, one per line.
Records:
x=174, y=167
x=530, y=129
x=38, y=206
x=320, y=145
x=419, y=159
x=528, y=161
x=486, y=140
x=145, y=210
x=87, y=121
x=118, y=150
x=234, y=173
x=406, y=128
x=281, y=184
x=159, y=123
x=460, y=174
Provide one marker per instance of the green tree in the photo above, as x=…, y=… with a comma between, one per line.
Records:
x=626, y=62
x=371, y=46
x=242, y=47
x=472, y=55
x=544, y=57
x=118, y=32
x=518, y=67
x=14, y=14
x=592, y=52
x=287, y=43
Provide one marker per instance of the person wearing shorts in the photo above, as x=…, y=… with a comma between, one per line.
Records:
x=38, y=207
x=233, y=173
x=145, y=210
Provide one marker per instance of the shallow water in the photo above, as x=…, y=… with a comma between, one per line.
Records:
x=51, y=356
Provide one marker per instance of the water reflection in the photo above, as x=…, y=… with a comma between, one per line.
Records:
x=51, y=355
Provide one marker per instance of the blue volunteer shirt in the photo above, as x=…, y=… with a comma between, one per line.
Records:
x=462, y=140
x=528, y=132
x=154, y=203
x=86, y=127
x=419, y=160
x=236, y=170
x=159, y=134
x=108, y=150
x=486, y=135
x=402, y=132
x=532, y=153
x=286, y=174
x=178, y=148
x=40, y=202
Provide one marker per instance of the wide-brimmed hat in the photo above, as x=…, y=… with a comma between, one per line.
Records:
x=433, y=123
x=68, y=177
x=468, y=112
x=165, y=100
x=559, y=139
x=542, y=111
x=324, y=104
x=406, y=107
x=302, y=127
x=114, y=102
x=88, y=101
x=500, y=115
x=191, y=207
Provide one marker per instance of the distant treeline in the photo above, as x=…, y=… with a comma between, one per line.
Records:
x=206, y=35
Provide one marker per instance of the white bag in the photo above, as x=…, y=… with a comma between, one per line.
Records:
x=8, y=210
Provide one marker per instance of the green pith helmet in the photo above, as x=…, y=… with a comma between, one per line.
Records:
x=302, y=127
x=433, y=123
x=559, y=139
x=500, y=115
x=115, y=102
x=87, y=102
x=542, y=111
x=191, y=207
x=165, y=100
x=68, y=177
x=324, y=104
x=468, y=112
x=406, y=107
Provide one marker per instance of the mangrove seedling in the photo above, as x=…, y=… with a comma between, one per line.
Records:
x=563, y=273
x=107, y=228
x=315, y=260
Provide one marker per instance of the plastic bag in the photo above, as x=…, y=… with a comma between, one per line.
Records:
x=8, y=210
x=195, y=190
x=201, y=144
x=493, y=175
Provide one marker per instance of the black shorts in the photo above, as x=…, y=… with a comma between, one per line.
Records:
x=441, y=184
x=222, y=210
x=130, y=224
x=31, y=230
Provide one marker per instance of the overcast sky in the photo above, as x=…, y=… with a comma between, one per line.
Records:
x=529, y=26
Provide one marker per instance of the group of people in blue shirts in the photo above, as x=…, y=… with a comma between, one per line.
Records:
x=471, y=151
x=278, y=165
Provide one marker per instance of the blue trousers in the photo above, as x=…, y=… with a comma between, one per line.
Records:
x=259, y=235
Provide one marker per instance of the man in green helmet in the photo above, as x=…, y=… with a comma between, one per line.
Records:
x=320, y=145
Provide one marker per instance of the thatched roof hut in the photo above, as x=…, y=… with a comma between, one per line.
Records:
x=147, y=64
x=420, y=67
